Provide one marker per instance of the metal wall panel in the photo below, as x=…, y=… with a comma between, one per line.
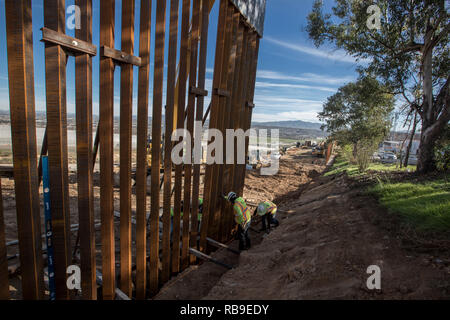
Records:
x=254, y=12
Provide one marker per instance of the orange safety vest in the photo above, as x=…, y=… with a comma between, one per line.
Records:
x=242, y=214
x=267, y=207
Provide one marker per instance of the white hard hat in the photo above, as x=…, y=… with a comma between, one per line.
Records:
x=261, y=209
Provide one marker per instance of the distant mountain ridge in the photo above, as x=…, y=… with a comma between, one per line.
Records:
x=297, y=124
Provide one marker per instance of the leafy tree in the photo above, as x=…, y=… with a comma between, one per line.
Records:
x=408, y=50
x=442, y=150
x=359, y=115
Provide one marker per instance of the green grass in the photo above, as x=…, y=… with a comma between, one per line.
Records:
x=341, y=164
x=423, y=205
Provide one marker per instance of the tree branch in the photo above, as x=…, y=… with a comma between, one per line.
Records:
x=435, y=40
x=442, y=102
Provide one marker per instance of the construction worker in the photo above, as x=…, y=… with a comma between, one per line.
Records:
x=243, y=218
x=199, y=215
x=267, y=210
x=200, y=209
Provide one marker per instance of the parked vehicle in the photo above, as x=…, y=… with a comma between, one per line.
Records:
x=376, y=156
x=389, y=157
x=412, y=159
x=318, y=151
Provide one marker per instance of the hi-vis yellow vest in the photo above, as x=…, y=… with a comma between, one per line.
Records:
x=199, y=215
x=266, y=207
x=242, y=214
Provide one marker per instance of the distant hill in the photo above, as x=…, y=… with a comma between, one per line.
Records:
x=295, y=130
x=296, y=124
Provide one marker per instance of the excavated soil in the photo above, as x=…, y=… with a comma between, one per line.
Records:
x=329, y=234
x=295, y=172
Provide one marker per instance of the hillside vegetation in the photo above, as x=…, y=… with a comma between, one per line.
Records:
x=423, y=205
x=420, y=202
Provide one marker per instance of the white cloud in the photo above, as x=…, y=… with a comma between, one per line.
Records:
x=293, y=86
x=275, y=102
x=336, y=55
x=305, y=77
x=285, y=116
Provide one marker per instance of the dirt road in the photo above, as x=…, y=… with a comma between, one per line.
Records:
x=322, y=248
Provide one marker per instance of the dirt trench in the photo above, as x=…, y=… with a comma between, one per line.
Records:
x=328, y=238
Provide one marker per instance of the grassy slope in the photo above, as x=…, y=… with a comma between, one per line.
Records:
x=341, y=164
x=424, y=205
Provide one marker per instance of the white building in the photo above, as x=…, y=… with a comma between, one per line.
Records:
x=395, y=146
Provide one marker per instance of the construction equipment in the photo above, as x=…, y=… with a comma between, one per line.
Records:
x=206, y=257
x=149, y=153
x=220, y=245
x=319, y=150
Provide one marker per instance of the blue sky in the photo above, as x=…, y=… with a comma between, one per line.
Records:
x=293, y=80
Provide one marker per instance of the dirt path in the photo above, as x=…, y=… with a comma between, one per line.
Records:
x=295, y=172
x=321, y=250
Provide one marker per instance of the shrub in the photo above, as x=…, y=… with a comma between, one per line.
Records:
x=364, y=152
x=442, y=151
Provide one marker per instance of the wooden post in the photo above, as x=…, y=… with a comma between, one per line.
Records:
x=199, y=115
x=23, y=132
x=235, y=120
x=224, y=96
x=179, y=168
x=193, y=222
x=126, y=125
x=156, y=142
x=142, y=131
x=107, y=149
x=195, y=36
x=241, y=98
x=171, y=75
x=232, y=124
x=250, y=93
x=225, y=170
x=241, y=169
x=83, y=72
x=4, y=277
x=55, y=76
x=210, y=174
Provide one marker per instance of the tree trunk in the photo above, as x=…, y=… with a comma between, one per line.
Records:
x=355, y=150
x=432, y=130
x=413, y=133
x=435, y=113
x=426, y=162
